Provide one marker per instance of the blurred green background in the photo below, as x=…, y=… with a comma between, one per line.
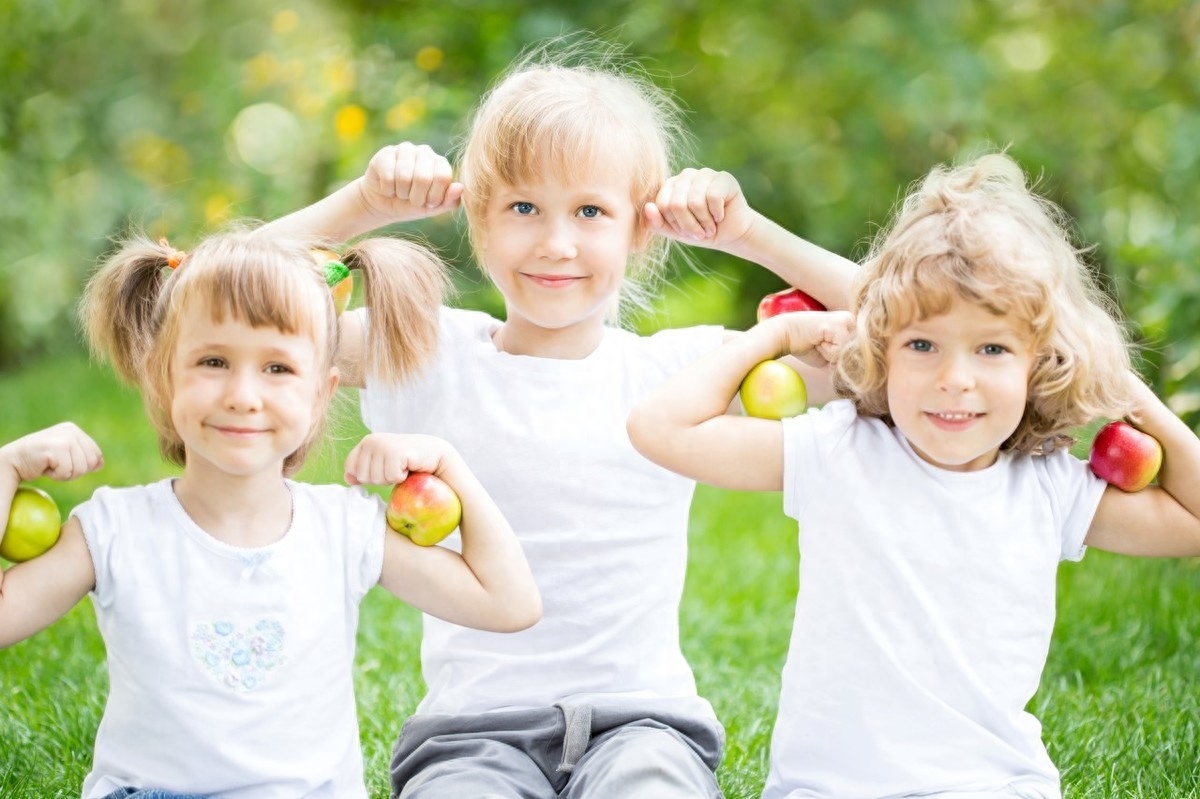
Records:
x=176, y=116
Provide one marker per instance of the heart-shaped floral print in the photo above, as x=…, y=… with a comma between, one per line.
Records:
x=242, y=658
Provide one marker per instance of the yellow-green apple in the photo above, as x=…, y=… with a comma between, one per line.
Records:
x=786, y=301
x=773, y=390
x=424, y=508
x=1125, y=456
x=33, y=525
x=341, y=281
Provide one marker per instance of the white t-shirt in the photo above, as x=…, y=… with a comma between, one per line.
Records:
x=924, y=615
x=230, y=669
x=605, y=530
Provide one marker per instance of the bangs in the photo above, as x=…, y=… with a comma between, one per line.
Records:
x=916, y=283
x=567, y=143
x=258, y=286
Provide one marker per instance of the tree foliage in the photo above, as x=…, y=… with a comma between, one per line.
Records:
x=176, y=116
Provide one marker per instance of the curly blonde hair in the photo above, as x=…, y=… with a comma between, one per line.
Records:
x=565, y=108
x=978, y=232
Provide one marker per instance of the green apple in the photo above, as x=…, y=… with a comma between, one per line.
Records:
x=773, y=390
x=33, y=525
x=424, y=508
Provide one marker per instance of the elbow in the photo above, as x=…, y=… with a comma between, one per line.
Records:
x=522, y=618
x=638, y=427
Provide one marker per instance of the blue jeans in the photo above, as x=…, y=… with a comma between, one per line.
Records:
x=134, y=793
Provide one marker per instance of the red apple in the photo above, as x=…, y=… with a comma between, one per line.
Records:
x=786, y=301
x=773, y=390
x=1125, y=456
x=343, y=287
x=423, y=508
x=33, y=525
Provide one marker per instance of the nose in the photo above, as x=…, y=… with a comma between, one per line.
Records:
x=242, y=391
x=955, y=374
x=557, y=241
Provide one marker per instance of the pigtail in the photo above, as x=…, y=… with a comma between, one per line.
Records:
x=405, y=285
x=116, y=310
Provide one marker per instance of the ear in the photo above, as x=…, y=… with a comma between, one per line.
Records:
x=326, y=394
x=642, y=233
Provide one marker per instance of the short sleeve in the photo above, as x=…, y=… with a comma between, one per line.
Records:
x=102, y=517
x=365, y=526
x=1076, y=492
x=807, y=440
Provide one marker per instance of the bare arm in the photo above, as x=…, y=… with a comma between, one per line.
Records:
x=707, y=208
x=1161, y=520
x=402, y=183
x=489, y=586
x=36, y=593
x=683, y=424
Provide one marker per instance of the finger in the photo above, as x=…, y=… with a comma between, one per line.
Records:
x=421, y=176
x=440, y=184
x=385, y=171
x=453, y=198
x=654, y=218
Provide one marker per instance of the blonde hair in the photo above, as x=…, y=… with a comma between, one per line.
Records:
x=131, y=309
x=978, y=232
x=585, y=105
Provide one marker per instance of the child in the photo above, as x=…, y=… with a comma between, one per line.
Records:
x=228, y=597
x=560, y=172
x=935, y=503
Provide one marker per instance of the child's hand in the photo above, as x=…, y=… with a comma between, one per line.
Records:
x=815, y=337
x=387, y=458
x=409, y=181
x=701, y=207
x=62, y=452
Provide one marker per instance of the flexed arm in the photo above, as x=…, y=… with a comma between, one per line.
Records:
x=489, y=586
x=683, y=424
x=1161, y=520
x=402, y=183
x=707, y=208
x=37, y=592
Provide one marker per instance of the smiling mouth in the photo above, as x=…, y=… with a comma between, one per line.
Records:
x=955, y=416
x=552, y=281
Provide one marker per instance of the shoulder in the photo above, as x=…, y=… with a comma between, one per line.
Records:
x=127, y=499
x=467, y=324
x=673, y=347
x=334, y=499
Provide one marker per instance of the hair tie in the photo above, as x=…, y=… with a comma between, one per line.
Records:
x=335, y=272
x=174, y=257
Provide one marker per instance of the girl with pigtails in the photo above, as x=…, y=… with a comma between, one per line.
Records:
x=228, y=595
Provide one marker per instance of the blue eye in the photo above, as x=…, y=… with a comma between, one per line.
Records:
x=920, y=345
x=590, y=211
x=523, y=208
x=994, y=349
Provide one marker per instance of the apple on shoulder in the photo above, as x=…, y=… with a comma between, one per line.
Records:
x=787, y=301
x=34, y=523
x=1125, y=456
x=773, y=390
x=424, y=508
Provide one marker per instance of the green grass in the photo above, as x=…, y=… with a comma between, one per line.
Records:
x=1119, y=706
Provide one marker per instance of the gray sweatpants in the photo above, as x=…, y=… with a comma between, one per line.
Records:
x=559, y=752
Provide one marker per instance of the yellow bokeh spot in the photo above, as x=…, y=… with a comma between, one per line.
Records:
x=285, y=21
x=405, y=113
x=216, y=208
x=349, y=122
x=262, y=70
x=155, y=160
x=308, y=104
x=430, y=58
x=339, y=74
